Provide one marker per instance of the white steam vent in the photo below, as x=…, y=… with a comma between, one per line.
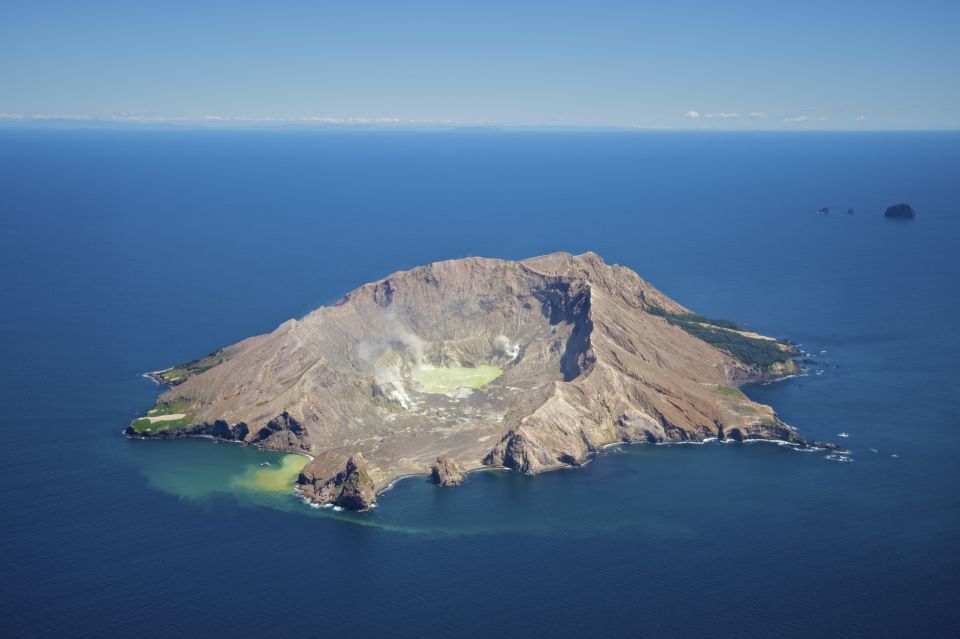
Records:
x=503, y=346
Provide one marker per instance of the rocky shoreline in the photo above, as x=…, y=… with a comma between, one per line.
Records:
x=343, y=481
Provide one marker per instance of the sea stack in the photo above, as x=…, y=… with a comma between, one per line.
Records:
x=900, y=212
x=447, y=471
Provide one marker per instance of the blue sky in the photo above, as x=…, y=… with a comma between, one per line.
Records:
x=721, y=65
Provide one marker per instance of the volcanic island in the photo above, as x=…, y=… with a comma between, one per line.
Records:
x=474, y=363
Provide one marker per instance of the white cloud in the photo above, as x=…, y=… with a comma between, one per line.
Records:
x=722, y=115
x=822, y=118
x=11, y=116
x=796, y=119
x=861, y=118
x=148, y=119
x=692, y=115
x=759, y=115
x=315, y=120
x=71, y=118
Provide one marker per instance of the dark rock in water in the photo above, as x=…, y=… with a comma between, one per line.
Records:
x=357, y=491
x=900, y=211
x=824, y=211
x=826, y=446
x=850, y=211
x=447, y=471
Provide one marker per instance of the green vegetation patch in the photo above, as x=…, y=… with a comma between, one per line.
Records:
x=744, y=409
x=693, y=318
x=732, y=392
x=179, y=373
x=447, y=380
x=762, y=353
x=164, y=416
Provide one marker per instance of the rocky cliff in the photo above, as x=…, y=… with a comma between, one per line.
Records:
x=584, y=354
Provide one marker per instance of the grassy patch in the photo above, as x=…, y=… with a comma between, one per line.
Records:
x=145, y=425
x=172, y=376
x=693, y=318
x=736, y=400
x=744, y=409
x=730, y=391
x=179, y=373
x=447, y=380
x=762, y=353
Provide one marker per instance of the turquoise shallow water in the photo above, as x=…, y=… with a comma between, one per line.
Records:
x=126, y=251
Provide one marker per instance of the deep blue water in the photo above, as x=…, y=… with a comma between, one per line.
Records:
x=123, y=251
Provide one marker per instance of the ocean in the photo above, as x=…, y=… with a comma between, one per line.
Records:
x=129, y=250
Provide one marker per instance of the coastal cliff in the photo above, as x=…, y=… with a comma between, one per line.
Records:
x=530, y=365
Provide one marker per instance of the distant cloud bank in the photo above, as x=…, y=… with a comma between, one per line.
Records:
x=45, y=117
x=764, y=115
x=217, y=120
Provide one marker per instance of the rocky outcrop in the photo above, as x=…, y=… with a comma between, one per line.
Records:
x=218, y=429
x=772, y=429
x=590, y=354
x=340, y=480
x=447, y=471
x=283, y=432
x=900, y=211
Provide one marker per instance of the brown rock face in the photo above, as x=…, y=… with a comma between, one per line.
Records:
x=447, y=471
x=342, y=481
x=587, y=354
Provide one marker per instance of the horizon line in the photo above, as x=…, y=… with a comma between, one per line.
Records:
x=133, y=121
